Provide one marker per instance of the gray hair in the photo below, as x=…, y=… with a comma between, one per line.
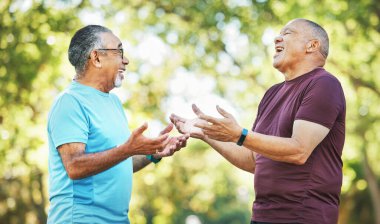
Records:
x=319, y=33
x=83, y=42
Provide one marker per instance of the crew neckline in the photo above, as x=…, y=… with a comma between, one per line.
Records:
x=305, y=75
x=89, y=88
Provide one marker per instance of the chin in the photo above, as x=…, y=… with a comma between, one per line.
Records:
x=276, y=64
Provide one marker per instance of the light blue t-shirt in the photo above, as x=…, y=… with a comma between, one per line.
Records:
x=85, y=114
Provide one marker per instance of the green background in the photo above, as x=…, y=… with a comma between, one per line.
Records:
x=181, y=52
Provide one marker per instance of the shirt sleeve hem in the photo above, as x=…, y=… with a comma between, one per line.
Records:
x=69, y=140
x=329, y=126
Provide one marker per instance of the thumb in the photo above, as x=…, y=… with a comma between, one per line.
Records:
x=223, y=112
x=141, y=129
x=167, y=129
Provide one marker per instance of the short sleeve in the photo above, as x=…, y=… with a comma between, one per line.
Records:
x=323, y=102
x=68, y=122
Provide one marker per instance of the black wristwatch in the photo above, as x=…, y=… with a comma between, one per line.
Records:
x=244, y=134
x=152, y=159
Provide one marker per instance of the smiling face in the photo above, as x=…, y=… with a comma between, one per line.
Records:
x=113, y=61
x=291, y=45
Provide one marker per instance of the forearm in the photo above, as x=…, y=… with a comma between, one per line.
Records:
x=276, y=148
x=237, y=155
x=139, y=162
x=89, y=164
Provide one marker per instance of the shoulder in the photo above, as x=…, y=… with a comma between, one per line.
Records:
x=66, y=98
x=325, y=81
x=321, y=75
x=65, y=103
x=325, y=88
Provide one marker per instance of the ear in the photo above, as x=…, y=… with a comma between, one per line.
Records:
x=313, y=46
x=94, y=59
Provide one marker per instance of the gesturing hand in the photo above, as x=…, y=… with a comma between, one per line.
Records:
x=186, y=126
x=138, y=144
x=172, y=144
x=224, y=129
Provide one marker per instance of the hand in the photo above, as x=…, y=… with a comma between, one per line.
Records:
x=138, y=144
x=224, y=129
x=186, y=126
x=173, y=144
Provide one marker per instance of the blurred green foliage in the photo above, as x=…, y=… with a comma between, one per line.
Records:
x=225, y=41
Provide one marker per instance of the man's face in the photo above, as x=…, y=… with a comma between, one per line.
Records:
x=290, y=45
x=113, y=60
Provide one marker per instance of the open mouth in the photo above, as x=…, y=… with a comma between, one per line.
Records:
x=121, y=73
x=279, y=49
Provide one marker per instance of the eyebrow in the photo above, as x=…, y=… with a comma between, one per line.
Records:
x=120, y=45
x=287, y=29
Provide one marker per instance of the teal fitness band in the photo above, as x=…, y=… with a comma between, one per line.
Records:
x=244, y=133
x=152, y=159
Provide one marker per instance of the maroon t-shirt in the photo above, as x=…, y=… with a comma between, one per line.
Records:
x=309, y=193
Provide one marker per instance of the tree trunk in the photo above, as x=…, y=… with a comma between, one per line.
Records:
x=373, y=186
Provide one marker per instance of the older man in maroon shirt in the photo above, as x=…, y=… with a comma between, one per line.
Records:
x=295, y=145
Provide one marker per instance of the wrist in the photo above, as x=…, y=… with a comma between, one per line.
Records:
x=153, y=159
x=124, y=148
x=243, y=135
x=156, y=156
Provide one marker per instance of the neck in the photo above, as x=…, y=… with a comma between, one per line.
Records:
x=302, y=68
x=290, y=75
x=95, y=81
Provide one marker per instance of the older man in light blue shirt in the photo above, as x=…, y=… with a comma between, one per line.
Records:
x=92, y=153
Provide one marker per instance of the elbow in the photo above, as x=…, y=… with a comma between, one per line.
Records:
x=300, y=157
x=73, y=172
x=252, y=169
x=301, y=160
x=249, y=169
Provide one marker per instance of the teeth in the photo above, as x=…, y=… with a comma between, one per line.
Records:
x=279, y=49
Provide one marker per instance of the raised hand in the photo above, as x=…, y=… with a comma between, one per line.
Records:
x=224, y=129
x=186, y=126
x=138, y=144
x=172, y=144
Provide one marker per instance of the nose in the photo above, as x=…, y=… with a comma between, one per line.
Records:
x=125, y=60
x=278, y=39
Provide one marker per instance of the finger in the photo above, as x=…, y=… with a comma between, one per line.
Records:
x=177, y=145
x=175, y=118
x=223, y=112
x=158, y=141
x=178, y=122
x=200, y=125
x=180, y=127
x=184, y=137
x=141, y=129
x=196, y=110
x=204, y=126
x=167, y=129
x=208, y=118
x=182, y=143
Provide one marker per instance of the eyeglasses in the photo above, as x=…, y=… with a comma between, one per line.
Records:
x=120, y=50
